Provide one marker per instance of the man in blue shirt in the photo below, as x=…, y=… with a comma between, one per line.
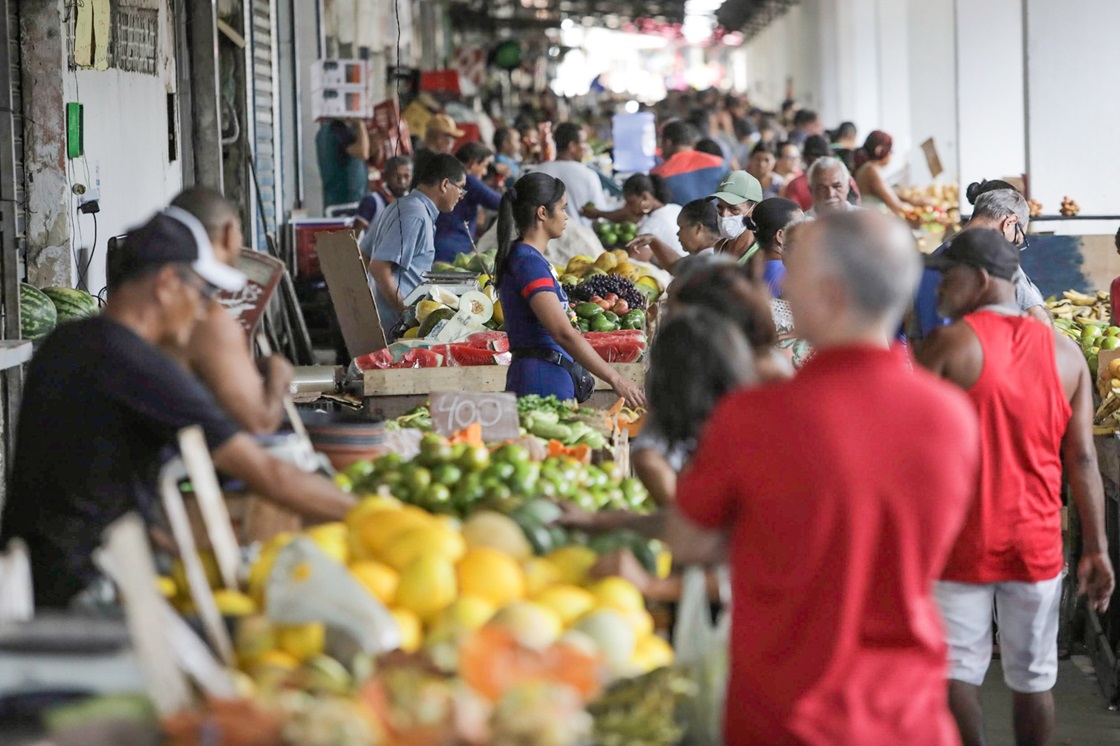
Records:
x=507, y=151
x=1006, y=211
x=395, y=179
x=457, y=230
x=402, y=245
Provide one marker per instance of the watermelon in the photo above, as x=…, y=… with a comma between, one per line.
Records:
x=71, y=303
x=37, y=314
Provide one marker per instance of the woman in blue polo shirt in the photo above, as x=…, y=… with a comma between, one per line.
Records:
x=549, y=354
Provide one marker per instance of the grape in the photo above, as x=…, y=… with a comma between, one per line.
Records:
x=604, y=285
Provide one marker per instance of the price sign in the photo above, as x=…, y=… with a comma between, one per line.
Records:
x=497, y=413
x=248, y=304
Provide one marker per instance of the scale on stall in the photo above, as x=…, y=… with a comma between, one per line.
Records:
x=457, y=282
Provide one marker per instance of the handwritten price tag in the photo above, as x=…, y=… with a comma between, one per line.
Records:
x=497, y=413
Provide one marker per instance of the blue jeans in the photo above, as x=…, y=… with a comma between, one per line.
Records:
x=531, y=376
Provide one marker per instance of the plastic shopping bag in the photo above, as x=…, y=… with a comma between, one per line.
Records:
x=701, y=648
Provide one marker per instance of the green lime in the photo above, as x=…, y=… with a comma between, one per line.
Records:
x=500, y=471
x=416, y=479
x=475, y=458
x=447, y=474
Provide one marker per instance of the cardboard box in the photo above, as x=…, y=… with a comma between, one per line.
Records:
x=344, y=269
x=340, y=73
x=342, y=102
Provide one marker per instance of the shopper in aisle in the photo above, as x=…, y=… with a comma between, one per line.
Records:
x=507, y=151
x=735, y=199
x=1034, y=396
x=761, y=166
x=688, y=173
x=440, y=137
x=342, y=149
x=829, y=183
x=844, y=144
x=852, y=586
x=798, y=189
x=871, y=159
x=1000, y=207
x=550, y=356
x=771, y=218
x=583, y=187
x=790, y=159
x=396, y=177
x=806, y=123
x=697, y=232
x=402, y=246
x=457, y=231
x=102, y=403
x=218, y=352
x=657, y=240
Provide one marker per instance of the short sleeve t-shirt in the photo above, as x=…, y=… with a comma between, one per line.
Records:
x=662, y=224
x=99, y=407
x=345, y=178
x=527, y=273
x=403, y=236
x=840, y=515
x=580, y=182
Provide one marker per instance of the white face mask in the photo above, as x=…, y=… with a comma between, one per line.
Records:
x=731, y=227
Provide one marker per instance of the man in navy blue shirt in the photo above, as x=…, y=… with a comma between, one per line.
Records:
x=395, y=179
x=457, y=230
x=1006, y=211
x=402, y=246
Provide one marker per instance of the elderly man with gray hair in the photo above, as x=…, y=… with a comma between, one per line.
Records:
x=859, y=585
x=829, y=183
x=1006, y=211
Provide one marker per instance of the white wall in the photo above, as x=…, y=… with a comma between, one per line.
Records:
x=990, y=109
x=1072, y=65
x=931, y=45
x=126, y=144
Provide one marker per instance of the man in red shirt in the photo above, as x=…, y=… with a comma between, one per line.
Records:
x=1033, y=393
x=839, y=494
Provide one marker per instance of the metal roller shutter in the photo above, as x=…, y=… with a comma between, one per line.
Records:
x=264, y=133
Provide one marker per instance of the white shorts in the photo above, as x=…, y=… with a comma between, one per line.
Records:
x=1027, y=614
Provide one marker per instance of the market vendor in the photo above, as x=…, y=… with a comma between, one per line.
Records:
x=549, y=354
x=457, y=231
x=402, y=245
x=735, y=198
x=102, y=403
x=219, y=353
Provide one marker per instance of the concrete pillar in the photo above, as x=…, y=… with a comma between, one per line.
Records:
x=43, y=50
x=204, y=114
x=991, y=116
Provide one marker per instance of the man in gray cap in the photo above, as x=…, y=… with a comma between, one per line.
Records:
x=1033, y=393
x=103, y=402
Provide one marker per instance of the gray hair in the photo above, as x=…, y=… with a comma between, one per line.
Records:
x=876, y=258
x=827, y=163
x=1002, y=203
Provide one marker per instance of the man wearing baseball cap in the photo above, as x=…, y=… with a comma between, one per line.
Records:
x=1034, y=396
x=440, y=137
x=102, y=403
x=735, y=198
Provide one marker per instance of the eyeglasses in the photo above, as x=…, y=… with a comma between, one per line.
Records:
x=1021, y=234
x=205, y=289
x=462, y=189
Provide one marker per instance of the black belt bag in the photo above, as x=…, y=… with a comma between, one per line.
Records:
x=583, y=381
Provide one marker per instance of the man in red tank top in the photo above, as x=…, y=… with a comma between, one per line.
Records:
x=1034, y=396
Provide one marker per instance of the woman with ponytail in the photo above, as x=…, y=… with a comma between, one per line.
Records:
x=550, y=356
x=870, y=160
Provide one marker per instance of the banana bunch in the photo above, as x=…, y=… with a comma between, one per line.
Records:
x=1106, y=420
x=640, y=711
x=1075, y=305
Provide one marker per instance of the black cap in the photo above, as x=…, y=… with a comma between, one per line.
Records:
x=175, y=236
x=983, y=248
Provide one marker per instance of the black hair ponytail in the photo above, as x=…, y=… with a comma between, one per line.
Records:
x=504, y=234
x=640, y=184
x=518, y=212
x=660, y=189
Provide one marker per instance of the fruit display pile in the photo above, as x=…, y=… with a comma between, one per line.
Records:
x=581, y=272
x=40, y=311
x=1086, y=320
x=935, y=207
x=496, y=645
x=1069, y=207
x=1106, y=420
x=615, y=234
x=460, y=479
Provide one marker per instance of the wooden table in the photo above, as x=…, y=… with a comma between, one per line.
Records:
x=391, y=393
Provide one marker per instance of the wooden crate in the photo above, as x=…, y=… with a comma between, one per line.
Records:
x=482, y=378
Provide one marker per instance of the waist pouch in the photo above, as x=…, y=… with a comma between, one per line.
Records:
x=583, y=381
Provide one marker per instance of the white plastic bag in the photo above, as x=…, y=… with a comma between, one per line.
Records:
x=17, y=602
x=701, y=648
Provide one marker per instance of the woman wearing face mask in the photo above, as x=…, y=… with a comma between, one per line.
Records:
x=646, y=195
x=549, y=354
x=735, y=198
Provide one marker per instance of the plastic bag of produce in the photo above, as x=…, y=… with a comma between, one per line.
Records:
x=701, y=648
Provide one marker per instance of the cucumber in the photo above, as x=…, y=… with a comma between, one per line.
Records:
x=550, y=431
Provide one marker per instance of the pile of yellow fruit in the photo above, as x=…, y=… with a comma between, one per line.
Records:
x=616, y=262
x=442, y=581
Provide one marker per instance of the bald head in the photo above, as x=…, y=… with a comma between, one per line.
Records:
x=218, y=216
x=850, y=271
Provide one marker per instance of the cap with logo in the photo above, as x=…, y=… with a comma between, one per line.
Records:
x=982, y=248
x=175, y=236
x=738, y=187
x=445, y=125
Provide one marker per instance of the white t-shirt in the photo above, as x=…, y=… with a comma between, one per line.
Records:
x=662, y=225
x=581, y=184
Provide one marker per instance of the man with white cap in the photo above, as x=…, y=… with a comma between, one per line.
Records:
x=102, y=402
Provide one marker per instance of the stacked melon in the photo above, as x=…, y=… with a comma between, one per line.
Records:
x=40, y=311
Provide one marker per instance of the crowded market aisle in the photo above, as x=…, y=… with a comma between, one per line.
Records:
x=1083, y=717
